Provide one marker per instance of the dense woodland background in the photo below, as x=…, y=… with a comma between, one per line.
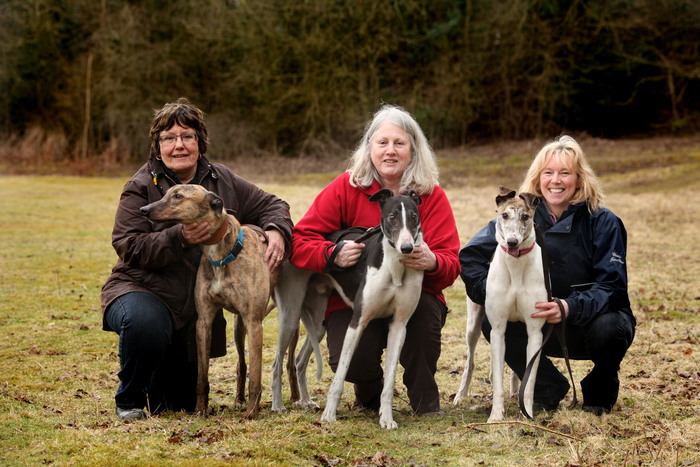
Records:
x=79, y=79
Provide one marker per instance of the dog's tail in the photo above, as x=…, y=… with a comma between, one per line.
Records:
x=311, y=335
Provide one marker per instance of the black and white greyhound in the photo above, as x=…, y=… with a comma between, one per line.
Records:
x=377, y=286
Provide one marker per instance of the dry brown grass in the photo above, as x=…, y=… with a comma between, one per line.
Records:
x=58, y=369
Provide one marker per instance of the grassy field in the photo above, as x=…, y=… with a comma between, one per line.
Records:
x=58, y=368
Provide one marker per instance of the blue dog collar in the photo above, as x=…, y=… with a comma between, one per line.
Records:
x=234, y=253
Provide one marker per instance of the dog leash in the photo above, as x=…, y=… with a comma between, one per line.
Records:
x=337, y=238
x=561, y=331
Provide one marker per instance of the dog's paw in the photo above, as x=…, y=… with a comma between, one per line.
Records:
x=459, y=397
x=389, y=423
x=239, y=404
x=307, y=405
x=495, y=417
x=278, y=407
x=328, y=416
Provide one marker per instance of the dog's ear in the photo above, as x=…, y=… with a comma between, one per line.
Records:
x=414, y=196
x=531, y=200
x=216, y=203
x=504, y=194
x=381, y=196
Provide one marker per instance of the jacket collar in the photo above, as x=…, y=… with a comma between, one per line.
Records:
x=159, y=171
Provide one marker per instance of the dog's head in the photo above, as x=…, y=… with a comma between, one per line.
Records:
x=400, y=219
x=515, y=220
x=184, y=204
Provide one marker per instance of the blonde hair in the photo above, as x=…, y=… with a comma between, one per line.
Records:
x=570, y=153
x=421, y=174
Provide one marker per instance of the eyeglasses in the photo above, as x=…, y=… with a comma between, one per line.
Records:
x=187, y=138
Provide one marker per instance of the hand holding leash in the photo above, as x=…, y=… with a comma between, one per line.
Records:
x=349, y=254
x=551, y=311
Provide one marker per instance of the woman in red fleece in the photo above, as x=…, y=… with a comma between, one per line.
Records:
x=395, y=154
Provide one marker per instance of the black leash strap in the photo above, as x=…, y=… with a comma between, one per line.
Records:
x=338, y=237
x=561, y=331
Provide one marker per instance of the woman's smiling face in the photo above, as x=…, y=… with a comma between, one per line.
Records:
x=390, y=153
x=180, y=151
x=558, y=183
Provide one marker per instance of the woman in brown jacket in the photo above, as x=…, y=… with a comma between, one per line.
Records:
x=149, y=297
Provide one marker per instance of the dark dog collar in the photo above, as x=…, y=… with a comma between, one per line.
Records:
x=234, y=253
x=219, y=234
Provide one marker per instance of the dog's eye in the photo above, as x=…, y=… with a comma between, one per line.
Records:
x=504, y=215
x=524, y=217
x=178, y=196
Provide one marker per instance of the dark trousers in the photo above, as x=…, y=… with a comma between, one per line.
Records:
x=418, y=357
x=155, y=370
x=604, y=341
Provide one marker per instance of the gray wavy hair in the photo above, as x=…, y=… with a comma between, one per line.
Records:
x=421, y=174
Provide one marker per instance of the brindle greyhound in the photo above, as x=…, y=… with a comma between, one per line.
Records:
x=514, y=284
x=242, y=287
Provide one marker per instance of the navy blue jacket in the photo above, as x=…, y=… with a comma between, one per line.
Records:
x=586, y=253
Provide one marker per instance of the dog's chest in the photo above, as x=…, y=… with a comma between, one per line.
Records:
x=391, y=288
x=514, y=285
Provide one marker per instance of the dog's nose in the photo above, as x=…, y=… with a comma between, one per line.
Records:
x=512, y=242
x=406, y=248
x=144, y=210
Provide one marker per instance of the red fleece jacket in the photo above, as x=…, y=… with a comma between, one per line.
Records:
x=341, y=205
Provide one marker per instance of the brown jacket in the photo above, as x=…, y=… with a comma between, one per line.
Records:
x=152, y=258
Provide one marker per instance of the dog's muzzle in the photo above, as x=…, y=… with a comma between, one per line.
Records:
x=406, y=248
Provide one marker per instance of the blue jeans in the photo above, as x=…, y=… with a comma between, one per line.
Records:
x=604, y=341
x=155, y=370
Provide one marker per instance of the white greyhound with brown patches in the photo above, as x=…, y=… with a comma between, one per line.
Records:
x=514, y=284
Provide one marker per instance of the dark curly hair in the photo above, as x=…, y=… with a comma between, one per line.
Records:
x=183, y=113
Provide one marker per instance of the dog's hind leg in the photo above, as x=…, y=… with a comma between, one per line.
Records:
x=312, y=316
x=292, y=375
x=475, y=313
x=395, y=340
x=514, y=383
x=239, y=333
x=289, y=296
x=302, y=362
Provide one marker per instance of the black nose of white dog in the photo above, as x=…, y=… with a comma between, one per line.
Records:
x=512, y=242
x=406, y=248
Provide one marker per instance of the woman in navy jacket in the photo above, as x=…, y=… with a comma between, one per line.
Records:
x=586, y=247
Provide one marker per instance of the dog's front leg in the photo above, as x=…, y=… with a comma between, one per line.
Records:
x=352, y=337
x=255, y=342
x=395, y=340
x=239, y=339
x=534, y=342
x=205, y=318
x=498, y=351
